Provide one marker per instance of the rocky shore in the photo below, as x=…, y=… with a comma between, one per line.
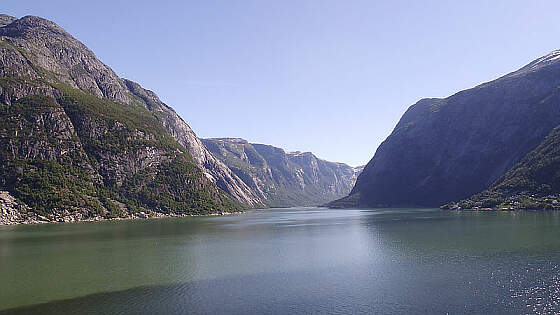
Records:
x=10, y=210
x=13, y=212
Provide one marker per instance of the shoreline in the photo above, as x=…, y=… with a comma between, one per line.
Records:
x=154, y=215
x=500, y=210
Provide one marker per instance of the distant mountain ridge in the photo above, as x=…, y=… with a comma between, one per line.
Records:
x=449, y=149
x=284, y=179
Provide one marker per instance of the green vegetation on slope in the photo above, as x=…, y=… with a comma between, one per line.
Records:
x=43, y=166
x=534, y=183
x=83, y=156
x=75, y=143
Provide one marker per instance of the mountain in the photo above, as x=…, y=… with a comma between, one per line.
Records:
x=78, y=142
x=448, y=149
x=283, y=179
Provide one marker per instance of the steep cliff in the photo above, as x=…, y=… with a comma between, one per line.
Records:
x=77, y=142
x=40, y=50
x=449, y=149
x=284, y=179
x=213, y=168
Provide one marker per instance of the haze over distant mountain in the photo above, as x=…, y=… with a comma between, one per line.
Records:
x=284, y=179
x=448, y=149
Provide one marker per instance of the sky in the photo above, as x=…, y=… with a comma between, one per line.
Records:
x=330, y=77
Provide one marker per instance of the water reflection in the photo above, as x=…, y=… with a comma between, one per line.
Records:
x=507, y=260
x=289, y=260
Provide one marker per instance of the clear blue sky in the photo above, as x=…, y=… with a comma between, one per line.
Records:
x=331, y=77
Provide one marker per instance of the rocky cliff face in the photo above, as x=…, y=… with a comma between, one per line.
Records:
x=77, y=142
x=213, y=168
x=283, y=179
x=50, y=53
x=448, y=149
x=39, y=49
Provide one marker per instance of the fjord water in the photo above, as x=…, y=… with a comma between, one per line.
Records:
x=296, y=260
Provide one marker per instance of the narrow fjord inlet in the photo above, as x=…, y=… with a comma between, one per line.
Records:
x=281, y=261
x=110, y=203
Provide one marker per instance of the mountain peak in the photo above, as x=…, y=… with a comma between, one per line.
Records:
x=6, y=19
x=552, y=58
x=53, y=49
x=28, y=24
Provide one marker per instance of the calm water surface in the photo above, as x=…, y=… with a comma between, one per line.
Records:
x=299, y=260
